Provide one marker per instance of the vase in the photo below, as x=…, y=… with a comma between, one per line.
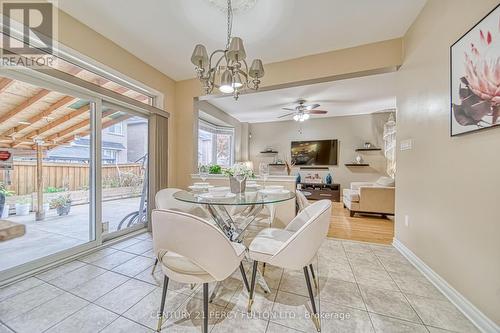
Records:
x=235, y=185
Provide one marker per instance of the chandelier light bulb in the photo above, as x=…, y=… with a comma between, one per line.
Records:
x=306, y=116
x=296, y=117
x=226, y=82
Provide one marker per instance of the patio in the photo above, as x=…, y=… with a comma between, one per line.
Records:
x=58, y=233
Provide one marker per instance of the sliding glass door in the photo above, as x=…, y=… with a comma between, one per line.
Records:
x=124, y=169
x=47, y=186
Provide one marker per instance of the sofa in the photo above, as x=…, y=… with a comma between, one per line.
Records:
x=370, y=197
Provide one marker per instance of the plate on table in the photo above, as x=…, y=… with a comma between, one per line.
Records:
x=274, y=191
x=199, y=187
x=228, y=195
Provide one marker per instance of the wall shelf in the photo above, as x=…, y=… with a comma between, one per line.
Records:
x=357, y=164
x=269, y=152
x=369, y=149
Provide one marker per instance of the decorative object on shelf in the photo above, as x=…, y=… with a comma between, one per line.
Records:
x=390, y=145
x=269, y=150
x=302, y=112
x=367, y=145
x=313, y=178
x=238, y=174
x=475, y=64
x=359, y=159
x=328, y=179
x=289, y=164
x=229, y=72
x=297, y=179
x=62, y=204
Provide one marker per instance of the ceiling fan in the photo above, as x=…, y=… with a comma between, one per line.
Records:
x=303, y=111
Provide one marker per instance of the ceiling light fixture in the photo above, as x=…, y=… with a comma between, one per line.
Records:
x=301, y=117
x=230, y=72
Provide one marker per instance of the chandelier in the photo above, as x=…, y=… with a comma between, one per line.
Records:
x=227, y=69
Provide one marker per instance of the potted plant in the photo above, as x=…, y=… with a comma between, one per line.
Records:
x=23, y=206
x=62, y=204
x=238, y=175
x=4, y=193
x=215, y=169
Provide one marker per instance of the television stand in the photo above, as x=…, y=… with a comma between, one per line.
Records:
x=321, y=191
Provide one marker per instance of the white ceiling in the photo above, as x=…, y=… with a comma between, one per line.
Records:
x=362, y=95
x=164, y=32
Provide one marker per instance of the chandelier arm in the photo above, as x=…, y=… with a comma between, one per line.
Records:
x=211, y=56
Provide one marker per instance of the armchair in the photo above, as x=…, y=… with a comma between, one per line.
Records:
x=365, y=197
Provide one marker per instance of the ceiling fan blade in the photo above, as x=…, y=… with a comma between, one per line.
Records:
x=286, y=115
x=318, y=112
x=310, y=107
x=289, y=109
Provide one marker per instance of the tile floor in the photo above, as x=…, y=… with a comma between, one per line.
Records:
x=363, y=288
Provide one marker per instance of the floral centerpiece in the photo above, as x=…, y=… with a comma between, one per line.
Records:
x=238, y=174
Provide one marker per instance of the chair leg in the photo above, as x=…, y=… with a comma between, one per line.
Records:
x=244, y=276
x=205, y=307
x=252, y=286
x=316, y=284
x=162, y=305
x=154, y=266
x=314, y=317
x=351, y=213
x=263, y=269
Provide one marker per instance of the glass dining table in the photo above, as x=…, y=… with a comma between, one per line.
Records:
x=250, y=204
x=233, y=214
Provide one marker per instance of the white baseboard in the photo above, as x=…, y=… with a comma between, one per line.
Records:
x=479, y=319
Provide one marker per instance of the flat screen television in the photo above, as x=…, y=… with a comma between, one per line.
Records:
x=317, y=152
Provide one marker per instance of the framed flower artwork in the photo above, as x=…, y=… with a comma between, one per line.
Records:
x=475, y=77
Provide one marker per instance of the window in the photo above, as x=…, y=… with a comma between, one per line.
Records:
x=215, y=144
x=116, y=129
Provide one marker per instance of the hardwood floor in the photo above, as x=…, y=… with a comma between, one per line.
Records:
x=364, y=228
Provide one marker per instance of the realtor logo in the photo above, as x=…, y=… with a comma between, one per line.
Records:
x=28, y=29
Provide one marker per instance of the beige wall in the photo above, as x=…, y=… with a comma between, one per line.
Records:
x=449, y=187
x=351, y=131
x=368, y=57
x=74, y=34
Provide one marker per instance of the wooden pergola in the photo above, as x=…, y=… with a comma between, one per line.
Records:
x=37, y=119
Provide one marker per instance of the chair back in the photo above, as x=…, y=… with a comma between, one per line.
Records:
x=302, y=200
x=196, y=239
x=164, y=199
x=300, y=249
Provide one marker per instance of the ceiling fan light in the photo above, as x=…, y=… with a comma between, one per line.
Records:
x=199, y=58
x=305, y=116
x=236, y=50
x=226, y=82
x=296, y=117
x=256, y=69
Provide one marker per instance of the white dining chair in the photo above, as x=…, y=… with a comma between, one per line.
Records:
x=192, y=250
x=301, y=200
x=294, y=247
x=164, y=199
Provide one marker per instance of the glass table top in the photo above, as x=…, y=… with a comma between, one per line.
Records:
x=247, y=198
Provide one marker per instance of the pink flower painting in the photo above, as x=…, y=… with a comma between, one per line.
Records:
x=476, y=77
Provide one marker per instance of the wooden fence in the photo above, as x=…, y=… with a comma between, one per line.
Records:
x=72, y=176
